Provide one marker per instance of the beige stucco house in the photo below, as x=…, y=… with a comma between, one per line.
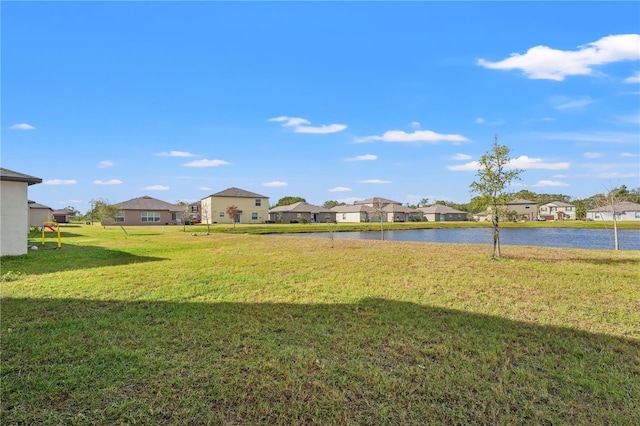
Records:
x=624, y=211
x=557, y=210
x=355, y=213
x=301, y=212
x=14, y=211
x=391, y=211
x=146, y=210
x=39, y=213
x=252, y=207
x=441, y=213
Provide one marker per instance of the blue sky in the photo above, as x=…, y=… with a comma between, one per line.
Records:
x=328, y=101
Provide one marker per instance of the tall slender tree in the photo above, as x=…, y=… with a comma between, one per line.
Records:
x=494, y=177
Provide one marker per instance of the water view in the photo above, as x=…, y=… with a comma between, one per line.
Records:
x=629, y=239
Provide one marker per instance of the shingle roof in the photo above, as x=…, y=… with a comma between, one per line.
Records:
x=559, y=204
x=10, y=175
x=301, y=207
x=237, y=193
x=377, y=200
x=624, y=206
x=34, y=205
x=353, y=209
x=520, y=201
x=440, y=209
x=147, y=203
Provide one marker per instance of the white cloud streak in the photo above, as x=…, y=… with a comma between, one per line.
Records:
x=418, y=136
x=375, y=181
x=108, y=182
x=635, y=78
x=206, y=163
x=157, y=188
x=592, y=155
x=542, y=62
x=22, y=126
x=340, y=189
x=60, y=182
x=174, y=154
x=365, y=157
x=302, y=125
x=105, y=163
x=523, y=162
x=275, y=184
x=562, y=104
x=461, y=157
x=542, y=183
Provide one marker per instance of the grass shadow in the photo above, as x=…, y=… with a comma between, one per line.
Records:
x=72, y=361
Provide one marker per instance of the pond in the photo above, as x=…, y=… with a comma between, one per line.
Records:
x=597, y=239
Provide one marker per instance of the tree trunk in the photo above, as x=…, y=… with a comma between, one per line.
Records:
x=496, y=237
x=615, y=232
x=381, y=229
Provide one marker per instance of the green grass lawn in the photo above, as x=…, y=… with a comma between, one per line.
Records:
x=170, y=327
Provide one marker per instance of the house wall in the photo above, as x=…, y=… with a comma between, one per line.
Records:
x=568, y=212
x=526, y=211
x=37, y=216
x=634, y=215
x=134, y=218
x=14, y=218
x=287, y=217
x=214, y=209
x=354, y=217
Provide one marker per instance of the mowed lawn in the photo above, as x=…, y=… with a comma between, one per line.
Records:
x=182, y=328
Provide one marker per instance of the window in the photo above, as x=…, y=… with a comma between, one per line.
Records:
x=544, y=209
x=258, y=202
x=254, y=215
x=120, y=217
x=221, y=214
x=194, y=209
x=637, y=215
x=344, y=216
x=569, y=209
x=527, y=207
x=150, y=217
x=597, y=215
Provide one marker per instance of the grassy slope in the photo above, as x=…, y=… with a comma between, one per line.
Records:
x=168, y=327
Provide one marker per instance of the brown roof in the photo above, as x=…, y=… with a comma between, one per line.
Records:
x=377, y=200
x=237, y=193
x=441, y=209
x=301, y=207
x=10, y=175
x=147, y=203
x=353, y=209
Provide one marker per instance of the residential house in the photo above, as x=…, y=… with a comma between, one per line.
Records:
x=520, y=209
x=391, y=211
x=194, y=212
x=146, y=211
x=39, y=213
x=301, y=212
x=14, y=211
x=624, y=211
x=354, y=213
x=441, y=213
x=62, y=215
x=252, y=207
x=557, y=210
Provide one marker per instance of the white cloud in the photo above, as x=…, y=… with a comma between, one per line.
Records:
x=105, y=163
x=340, y=189
x=365, y=157
x=560, y=176
x=60, y=182
x=417, y=136
x=612, y=137
x=467, y=167
x=22, y=126
x=108, y=182
x=561, y=103
x=349, y=200
x=415, y=124
x=375, y=181
x=542, y=62
x=174, y=154
x=205, y=188
x=615, y=175
x=592, y=154
x=550, y=183
x=522, y=162
x=205, y=163
x=635, y=78
x=461, y=157
x=526, y=163
x=275, y=184
x=479, y=120
x=301, y=125
x=157, y=188
x=629, y=119
x=629, y=155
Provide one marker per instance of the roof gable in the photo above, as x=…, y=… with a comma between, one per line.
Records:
x=10, y=175
x=377, y=200
x=147, y=203
x=440, y=209
x=237, y=193
x=301, y=207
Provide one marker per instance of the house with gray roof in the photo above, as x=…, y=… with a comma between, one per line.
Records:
x=39, y=213
x=625, y=210
x=250, y=207
x=146, y=210
x=557, y=210
x=354, y=213
x=14, y=211
x=442, y=213
x=301, y=212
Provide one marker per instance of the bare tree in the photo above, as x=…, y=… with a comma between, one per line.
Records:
x=185, y=210
x=104, y=210
x=232, y=213
x=613, y=202
x=494, y=177
x=378, y=205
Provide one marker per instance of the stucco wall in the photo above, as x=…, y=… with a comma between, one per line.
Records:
x=37, y=216
x=214, y=206
x=14, y=218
